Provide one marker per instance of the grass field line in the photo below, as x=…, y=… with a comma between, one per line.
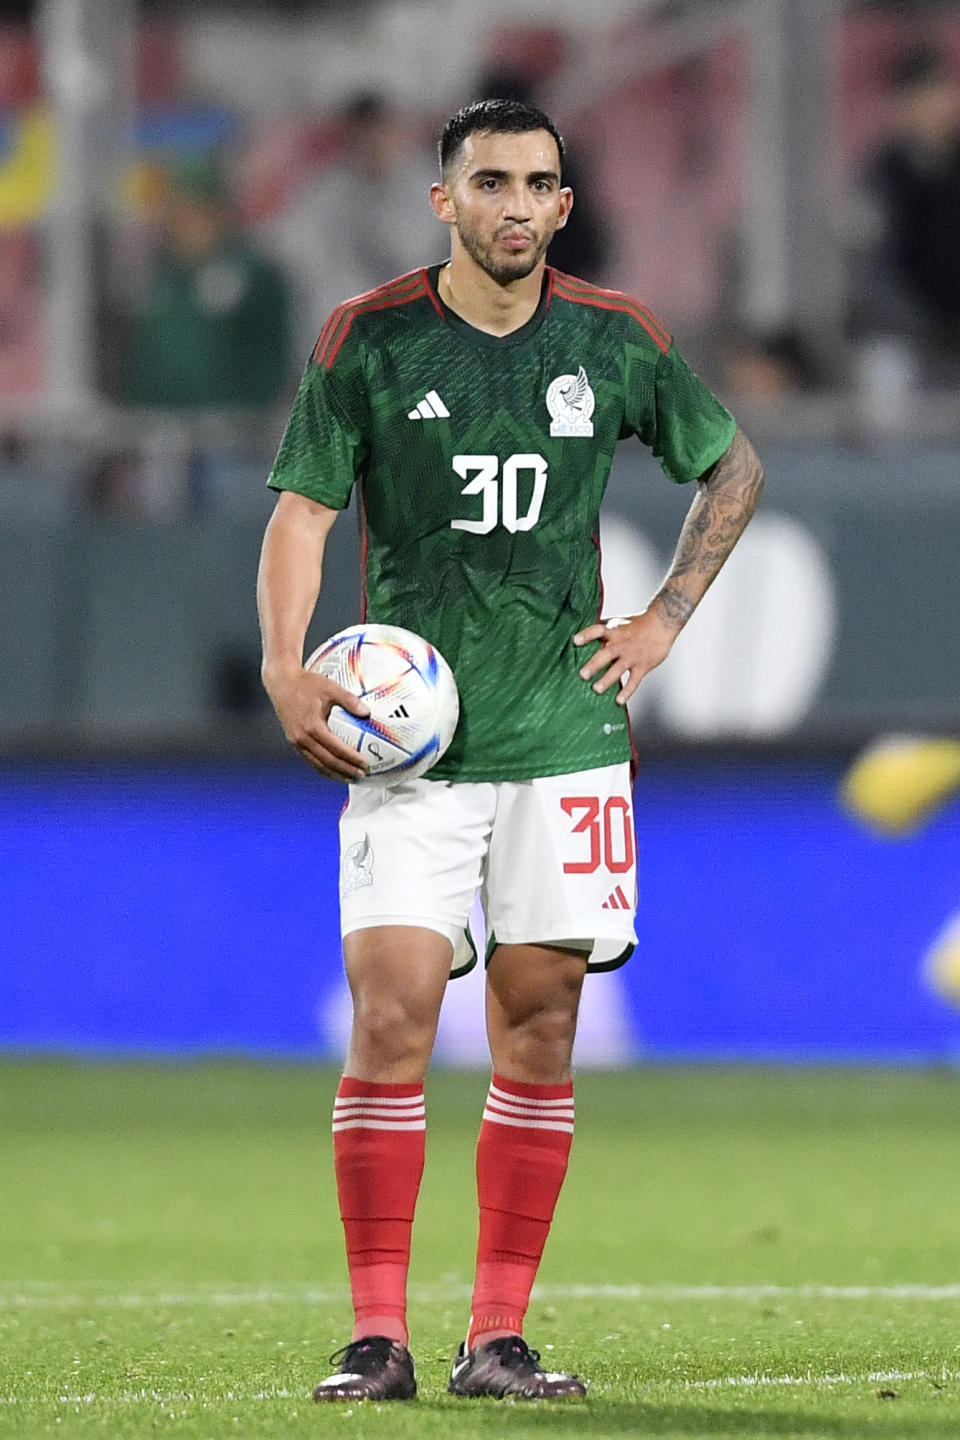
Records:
x=720, y=1382
x=42, y=1295
x=873, y=1377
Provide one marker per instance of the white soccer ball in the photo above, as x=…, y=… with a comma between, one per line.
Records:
x=411, y=693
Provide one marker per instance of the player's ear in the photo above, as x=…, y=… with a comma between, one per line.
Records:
x=442, y=204
x=566, y=205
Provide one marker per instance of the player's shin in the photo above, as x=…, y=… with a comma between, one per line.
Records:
x=378, y=1136
x=522, y=1156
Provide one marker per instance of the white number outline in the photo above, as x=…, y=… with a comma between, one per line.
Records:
x=511, y=469
x=481, y=474
x=484, y=483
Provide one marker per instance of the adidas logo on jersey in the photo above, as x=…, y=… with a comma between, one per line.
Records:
x=430, y=408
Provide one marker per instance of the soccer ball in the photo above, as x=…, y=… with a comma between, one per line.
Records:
x=411, y=692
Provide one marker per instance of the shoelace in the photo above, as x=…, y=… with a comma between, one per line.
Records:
x=360, y=1352
x=520, y=1353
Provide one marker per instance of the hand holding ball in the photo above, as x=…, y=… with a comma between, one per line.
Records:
x=409, y=689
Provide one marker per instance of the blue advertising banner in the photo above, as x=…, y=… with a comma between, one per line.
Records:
x=166, y=909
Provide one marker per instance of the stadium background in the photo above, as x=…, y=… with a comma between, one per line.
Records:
x=167, y=872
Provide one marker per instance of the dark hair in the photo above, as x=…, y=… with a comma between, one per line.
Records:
x=495, y=117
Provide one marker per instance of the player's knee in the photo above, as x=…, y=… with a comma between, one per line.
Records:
x=536, y=1055
x=539, y=1045
x=550, y=1028
x=393, y=1026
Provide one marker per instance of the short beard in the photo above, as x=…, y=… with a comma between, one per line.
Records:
x=501, y=273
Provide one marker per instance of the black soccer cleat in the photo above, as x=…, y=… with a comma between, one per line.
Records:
x=508, y=1367
x=372, y=1368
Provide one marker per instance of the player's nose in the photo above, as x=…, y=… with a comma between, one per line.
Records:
x=516, y=204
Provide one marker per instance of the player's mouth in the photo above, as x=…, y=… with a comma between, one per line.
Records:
x=515, y=240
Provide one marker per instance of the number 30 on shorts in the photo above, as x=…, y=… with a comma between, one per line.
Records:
x=607, y=832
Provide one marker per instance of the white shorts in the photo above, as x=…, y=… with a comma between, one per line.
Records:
x=553, y=861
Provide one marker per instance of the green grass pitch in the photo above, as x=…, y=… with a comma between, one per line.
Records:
x=756, y=1253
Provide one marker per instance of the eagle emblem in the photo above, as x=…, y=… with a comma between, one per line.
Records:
x=571, y=403
x=357, y=867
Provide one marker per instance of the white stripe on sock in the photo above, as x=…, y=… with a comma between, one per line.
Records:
x=499, y=1094
x=379, y=1099
x=373, y=1112
x=366, y=1123
x=361, y=1101
x=525, y=1113
x=528, y=1124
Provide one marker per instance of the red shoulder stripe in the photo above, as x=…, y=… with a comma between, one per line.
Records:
x=408, y=286
x=624, y=309
x=338, y=312
x=614, y=300
x=331, y=320
x=399, y=282
x=335, y=331
x=594, y=294
x=333, y=347
x=434, y=301
x=573, y=283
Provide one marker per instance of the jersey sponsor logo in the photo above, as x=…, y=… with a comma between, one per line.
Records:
x=571, y=403
x=431, y=407
x=356, y=870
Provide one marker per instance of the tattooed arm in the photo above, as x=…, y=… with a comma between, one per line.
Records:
x=726, y=498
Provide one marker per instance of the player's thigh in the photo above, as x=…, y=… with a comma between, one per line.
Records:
x=562, y=864
x=525, y=982
x=533, y=997
x=411, y=855
x=397, y=974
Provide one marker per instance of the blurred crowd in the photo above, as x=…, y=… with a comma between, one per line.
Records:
x=905, y=295
x=220, y=273
x=210, y=309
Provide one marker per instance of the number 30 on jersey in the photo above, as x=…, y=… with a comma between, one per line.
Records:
x=499, y=491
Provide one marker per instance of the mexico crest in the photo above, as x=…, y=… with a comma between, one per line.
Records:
x=357, y=867
x=570, y=402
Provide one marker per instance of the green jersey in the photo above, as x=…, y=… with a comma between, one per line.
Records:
x=481, y=463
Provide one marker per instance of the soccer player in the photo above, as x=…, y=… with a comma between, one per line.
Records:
x=477, y=406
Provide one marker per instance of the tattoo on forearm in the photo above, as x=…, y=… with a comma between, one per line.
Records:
x=675, y=607
x=726, y=499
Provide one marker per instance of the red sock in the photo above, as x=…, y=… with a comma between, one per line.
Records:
x=378, y=1145
x=522, y=1158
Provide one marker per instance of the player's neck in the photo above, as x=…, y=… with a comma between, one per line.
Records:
x=470, y=292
